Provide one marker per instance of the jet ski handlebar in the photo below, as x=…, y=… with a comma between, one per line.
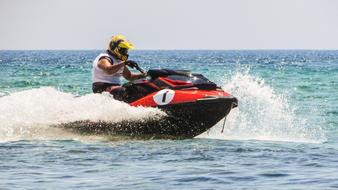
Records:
x=134, y=65
x=139, y=69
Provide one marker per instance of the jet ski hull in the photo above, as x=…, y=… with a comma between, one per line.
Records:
x=183, y=120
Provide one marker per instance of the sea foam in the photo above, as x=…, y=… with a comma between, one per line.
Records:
x=30, y=114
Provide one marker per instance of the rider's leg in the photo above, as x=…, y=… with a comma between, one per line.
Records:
x=118, y=92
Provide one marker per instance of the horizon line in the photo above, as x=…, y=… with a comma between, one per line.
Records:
x=296, y=49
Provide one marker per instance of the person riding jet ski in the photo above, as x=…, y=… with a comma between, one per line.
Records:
x=110, y=66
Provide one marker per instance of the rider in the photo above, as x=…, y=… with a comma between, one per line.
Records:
x=110, y=66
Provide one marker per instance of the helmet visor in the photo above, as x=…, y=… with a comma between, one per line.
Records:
x=123, y=51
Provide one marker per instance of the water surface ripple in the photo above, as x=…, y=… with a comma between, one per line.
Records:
x=283, y=135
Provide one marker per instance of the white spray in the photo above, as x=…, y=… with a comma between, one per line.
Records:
x=29, y=114
x=263, y=114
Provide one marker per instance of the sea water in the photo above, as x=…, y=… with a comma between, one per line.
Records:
x=283, y=134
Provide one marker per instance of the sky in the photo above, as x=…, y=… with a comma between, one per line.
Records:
x=169, y=24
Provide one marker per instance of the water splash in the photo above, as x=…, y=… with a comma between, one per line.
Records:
x=29, y=114
x=263, y=114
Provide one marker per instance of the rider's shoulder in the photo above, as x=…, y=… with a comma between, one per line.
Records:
x=106, y=57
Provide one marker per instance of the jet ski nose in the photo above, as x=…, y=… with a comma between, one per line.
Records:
x=228, y=100
x=235, y=102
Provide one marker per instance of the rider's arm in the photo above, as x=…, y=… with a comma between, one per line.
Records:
x=108, y=67
x=131, y=76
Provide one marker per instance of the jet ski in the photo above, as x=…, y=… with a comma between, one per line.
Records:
x=192, y=103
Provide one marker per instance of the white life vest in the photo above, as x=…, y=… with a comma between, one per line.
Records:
x=99, y=75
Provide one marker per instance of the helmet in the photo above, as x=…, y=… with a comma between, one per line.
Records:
x=119, y=46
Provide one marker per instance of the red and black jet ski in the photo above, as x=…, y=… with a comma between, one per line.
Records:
x=193, y=104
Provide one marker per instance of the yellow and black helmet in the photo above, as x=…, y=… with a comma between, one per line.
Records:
x=119, y=46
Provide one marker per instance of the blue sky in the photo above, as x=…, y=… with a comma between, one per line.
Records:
x=170, y=24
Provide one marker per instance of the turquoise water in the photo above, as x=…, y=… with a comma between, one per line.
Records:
x=283, y=135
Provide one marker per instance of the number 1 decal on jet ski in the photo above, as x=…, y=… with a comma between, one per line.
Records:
x=164, y=97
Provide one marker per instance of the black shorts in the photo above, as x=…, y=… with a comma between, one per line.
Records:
x=116, y=90
x=99, y=87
